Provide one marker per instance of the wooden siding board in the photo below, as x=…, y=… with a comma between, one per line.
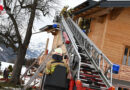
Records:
x=117, y=36
x=112, y=52
x=58, y=41
x=96, y=32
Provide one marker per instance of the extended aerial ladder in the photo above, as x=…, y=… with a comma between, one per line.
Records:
x=90, y=68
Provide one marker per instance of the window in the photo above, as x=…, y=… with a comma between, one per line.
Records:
x=126, y=58
x=122, y=88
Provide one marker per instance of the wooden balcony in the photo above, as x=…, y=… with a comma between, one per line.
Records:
x=124, y=73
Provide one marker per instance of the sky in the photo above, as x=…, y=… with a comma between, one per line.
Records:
x=49, y=20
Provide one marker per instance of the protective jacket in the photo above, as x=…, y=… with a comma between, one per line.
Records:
x=56, y=60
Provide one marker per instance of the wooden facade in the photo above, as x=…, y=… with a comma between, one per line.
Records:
x=112, y=36
x=110, y=31
x=58, y=41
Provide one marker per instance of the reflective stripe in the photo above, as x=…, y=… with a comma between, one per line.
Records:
x=53, y=68
x=47, y=71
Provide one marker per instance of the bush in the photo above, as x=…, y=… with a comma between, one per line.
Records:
x=1, y=72
x=10, y=68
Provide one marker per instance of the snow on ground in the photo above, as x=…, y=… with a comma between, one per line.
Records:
x=5, y=65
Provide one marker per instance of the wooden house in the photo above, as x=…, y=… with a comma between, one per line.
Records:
x=109, y=29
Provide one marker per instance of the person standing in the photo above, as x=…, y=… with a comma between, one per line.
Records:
x=6, y=74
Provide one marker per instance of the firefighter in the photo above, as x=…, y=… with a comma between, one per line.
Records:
x=80, y=21
x=64, y=11
x=70, y=12
x=84, y=24
x=57, y=60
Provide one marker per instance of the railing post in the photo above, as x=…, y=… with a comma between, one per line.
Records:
x=71, y=84
x=111, y=74
x=78, y=85
x=99, y=60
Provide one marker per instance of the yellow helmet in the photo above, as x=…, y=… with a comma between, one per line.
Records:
x=58, y=51
x=66, y=6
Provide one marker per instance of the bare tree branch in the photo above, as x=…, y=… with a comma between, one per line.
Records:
x=14, y=22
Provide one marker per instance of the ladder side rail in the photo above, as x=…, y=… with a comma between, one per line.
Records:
x=86, y=38
x=29, y=68
x=70, y=35
x=42, y=66
x=70, y=50
x=92, y=45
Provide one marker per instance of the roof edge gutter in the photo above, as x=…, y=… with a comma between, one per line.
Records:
x=89, y=7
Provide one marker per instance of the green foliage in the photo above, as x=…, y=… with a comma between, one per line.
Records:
x=10, y=68
x=0, y=72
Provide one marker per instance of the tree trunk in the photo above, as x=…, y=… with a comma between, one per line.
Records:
x=23, y=47
x=18, y=65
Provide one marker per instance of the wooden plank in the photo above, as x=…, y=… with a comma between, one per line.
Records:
x=99, y=13
x=88, y=12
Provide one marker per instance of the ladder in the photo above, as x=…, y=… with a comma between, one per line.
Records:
x=87, y=63
x=40, y=68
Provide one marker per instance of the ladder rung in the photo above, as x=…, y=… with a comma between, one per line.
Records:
x=88, y=73
x=86, y=81
x=91, y=75
x=93, y=72
x=93, y=87
x=87, y=64
x=84, y=77
x=99, y=84
x=87, y=68
x=83, y=55
x=86, y=61
x=90, y=81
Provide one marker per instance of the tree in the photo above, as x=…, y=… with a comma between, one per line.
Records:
x=0, y=65
x=19, y=18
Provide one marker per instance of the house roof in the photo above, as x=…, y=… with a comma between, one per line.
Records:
x=49, y=29
x=46, y=28
x=90, y=7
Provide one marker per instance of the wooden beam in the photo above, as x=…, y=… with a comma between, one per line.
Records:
x=94, y=13
x=46, y=49
x=115, y=13
x=93, y=10
x=99, y=13
x=101, y=19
